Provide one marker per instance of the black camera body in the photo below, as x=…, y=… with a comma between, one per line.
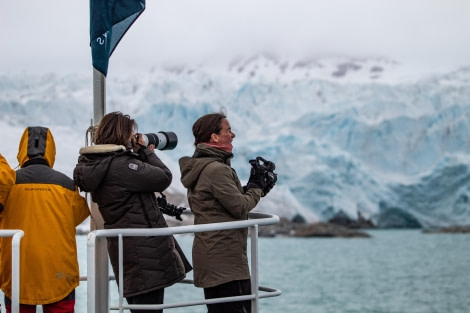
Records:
x=262, y=174
x=169, y=208
x=264, y=169
x=161, y=140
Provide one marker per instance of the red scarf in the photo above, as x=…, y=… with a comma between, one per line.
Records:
x=225, y=147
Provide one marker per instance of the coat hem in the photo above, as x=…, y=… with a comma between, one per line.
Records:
x=48, y=301
x=220, y=282
x=155, y=288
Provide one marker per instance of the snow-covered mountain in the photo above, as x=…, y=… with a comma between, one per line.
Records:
x=350, y=135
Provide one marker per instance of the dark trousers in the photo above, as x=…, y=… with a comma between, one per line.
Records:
x=65, y=305
x=152, y=297
x=233, y=288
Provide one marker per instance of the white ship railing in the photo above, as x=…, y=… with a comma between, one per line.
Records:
x=16, y=235
x=98, y=271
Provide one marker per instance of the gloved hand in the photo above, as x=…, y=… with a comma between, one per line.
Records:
x=262, y=176
x=253, y=184
x=271, y=179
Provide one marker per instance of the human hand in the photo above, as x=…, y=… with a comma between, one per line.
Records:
x=138, y=142
x=262, y=175
x=270, y=182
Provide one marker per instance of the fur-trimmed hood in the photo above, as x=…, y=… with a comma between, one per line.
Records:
x=95, y=164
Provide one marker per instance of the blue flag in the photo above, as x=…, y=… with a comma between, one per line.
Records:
x=109, y=21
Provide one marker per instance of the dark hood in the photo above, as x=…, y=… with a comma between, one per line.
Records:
x=191, y=167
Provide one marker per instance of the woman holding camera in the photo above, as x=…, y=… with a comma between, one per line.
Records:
x=122, y=175
x=216, y=195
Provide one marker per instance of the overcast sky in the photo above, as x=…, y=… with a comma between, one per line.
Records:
x=53, y=35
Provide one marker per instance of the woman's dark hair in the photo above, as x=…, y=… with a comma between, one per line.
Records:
x=115, y=128
x=207, y=125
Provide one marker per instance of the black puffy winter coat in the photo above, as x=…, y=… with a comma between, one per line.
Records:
x=123, y=184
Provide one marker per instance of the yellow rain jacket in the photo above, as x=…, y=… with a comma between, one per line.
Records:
x=7, y=179
x=46, y=205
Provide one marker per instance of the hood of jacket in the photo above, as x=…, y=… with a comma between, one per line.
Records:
x=36, y=142
x=191, y=167
x=93, y=165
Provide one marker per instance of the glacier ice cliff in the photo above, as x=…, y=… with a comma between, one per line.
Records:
x=346, y=135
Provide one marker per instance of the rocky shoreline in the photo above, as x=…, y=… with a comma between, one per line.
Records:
x=459, y=229
x=292, y=229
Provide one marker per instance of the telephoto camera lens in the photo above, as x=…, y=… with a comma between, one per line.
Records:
x=161, y=140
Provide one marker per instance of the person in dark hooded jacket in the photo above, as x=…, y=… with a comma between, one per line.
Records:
x=122, y=175
x=216, y=195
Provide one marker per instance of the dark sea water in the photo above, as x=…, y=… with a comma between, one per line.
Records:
x=394, y=271
x=399, y=271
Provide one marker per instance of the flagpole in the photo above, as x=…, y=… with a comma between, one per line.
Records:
x=99, y=108
x=99, y=96
x=96, y=221
x=109, y=21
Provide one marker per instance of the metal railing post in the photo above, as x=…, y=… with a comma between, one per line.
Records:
x=15, y=279
x=98, y=274
x=254, y=268
x=121, y=273
x=91, y=272
x=16, y=235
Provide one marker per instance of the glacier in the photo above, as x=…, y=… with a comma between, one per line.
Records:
x=356, y=136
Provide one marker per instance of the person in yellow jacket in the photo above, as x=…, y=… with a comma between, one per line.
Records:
x=7, y=179
x=47, y=206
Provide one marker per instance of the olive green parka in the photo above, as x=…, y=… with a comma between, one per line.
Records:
x=216, y=195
